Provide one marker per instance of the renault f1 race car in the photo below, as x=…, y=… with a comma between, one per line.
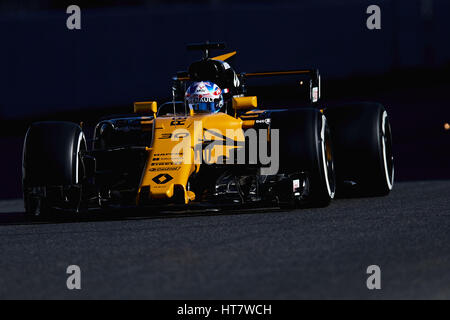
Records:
x=211, y=145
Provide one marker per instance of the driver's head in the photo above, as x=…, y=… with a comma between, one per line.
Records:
x=204, y=96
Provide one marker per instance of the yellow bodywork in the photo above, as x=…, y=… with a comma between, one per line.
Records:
x=177, y=152
x=146, y=107
x=244, y=103
x=224, y=57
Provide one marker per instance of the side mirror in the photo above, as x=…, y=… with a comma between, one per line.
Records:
x=146, y=107
x=245, y=103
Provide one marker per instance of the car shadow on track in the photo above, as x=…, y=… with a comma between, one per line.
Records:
x=20, y=218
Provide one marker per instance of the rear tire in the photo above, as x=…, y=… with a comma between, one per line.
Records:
x=362, y=141
x=53, y=171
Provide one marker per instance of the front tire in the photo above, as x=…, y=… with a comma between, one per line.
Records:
x=53, y=171
x=306, y=156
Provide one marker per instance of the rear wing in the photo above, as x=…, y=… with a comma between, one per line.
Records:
x=210, y=68
x=312, y=74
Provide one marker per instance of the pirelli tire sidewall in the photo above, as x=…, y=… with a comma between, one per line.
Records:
x=50, y=155
x=302, y=150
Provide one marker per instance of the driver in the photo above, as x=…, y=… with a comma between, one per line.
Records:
x=204, y=97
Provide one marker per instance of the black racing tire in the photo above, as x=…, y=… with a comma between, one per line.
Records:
x=362, y=140
x=52, y=169
x=305, y=147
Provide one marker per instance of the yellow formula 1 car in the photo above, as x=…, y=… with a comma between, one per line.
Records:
x=211, y=145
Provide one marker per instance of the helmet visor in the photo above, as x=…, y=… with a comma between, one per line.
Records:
x=204, y=106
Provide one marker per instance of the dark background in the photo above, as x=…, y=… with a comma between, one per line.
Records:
x=128, y=51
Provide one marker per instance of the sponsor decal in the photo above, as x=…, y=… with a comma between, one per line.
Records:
x=296, y=184
x=264, y=121
x=315, y=94
x=202, y=99
x=169, y=158
x=168, y=154
x=162, y=178
x=164, y=169
x=162, y=164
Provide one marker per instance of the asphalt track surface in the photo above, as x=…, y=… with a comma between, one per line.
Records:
x=256, y=254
